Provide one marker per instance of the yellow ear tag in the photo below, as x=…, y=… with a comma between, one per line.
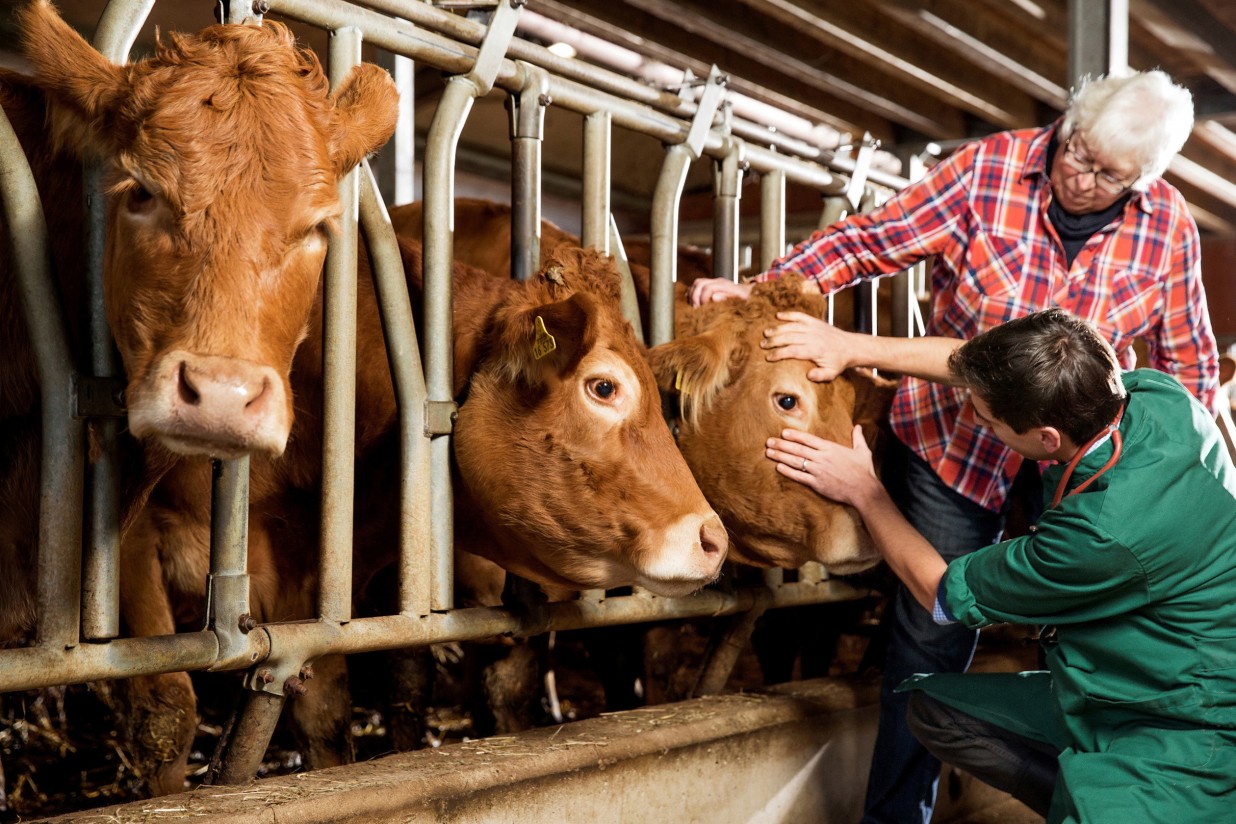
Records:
x=680, y=383
x=544, y=343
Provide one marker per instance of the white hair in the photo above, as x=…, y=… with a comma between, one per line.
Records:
x=1142, y=116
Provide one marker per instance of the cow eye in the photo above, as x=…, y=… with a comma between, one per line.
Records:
x=140, y=199
x=786, y=402
x=602, y=388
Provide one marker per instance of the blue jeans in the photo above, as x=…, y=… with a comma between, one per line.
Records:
x=901, y=788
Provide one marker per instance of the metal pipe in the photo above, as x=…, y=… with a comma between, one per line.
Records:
x=772, y=217
x=58, y=598
x=39, y=667
x=629, y=297
x=666, y=198
x=246, y=740
x=227, y=591
x=101, y=564
x=728, y=643
x=404, y=356
x=339, y=377
x=598, y=133
x=438, y=232
x=728, y=187
x=118, y=29
x=527, y=133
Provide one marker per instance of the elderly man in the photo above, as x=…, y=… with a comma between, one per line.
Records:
x=1074, y=215
x=1132, y=568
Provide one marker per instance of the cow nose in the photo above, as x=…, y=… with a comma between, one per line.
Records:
x=211, y=405
x=237, y=394
x=713, y=537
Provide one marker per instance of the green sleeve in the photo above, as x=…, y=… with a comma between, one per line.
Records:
x=1066, y=572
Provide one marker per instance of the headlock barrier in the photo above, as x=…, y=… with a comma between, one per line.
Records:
x=78, y=634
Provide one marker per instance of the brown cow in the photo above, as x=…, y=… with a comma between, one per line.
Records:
x=224, y=151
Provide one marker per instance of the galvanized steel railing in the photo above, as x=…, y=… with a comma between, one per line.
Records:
x=479, y=57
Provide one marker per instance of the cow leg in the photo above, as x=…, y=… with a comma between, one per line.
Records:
x=322, y=717
x=512, y=687
x=411, y=673
x=162, y=709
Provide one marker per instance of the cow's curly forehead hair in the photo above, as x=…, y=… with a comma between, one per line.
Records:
x=726, y=333
x=574, y=269
x=211, y=111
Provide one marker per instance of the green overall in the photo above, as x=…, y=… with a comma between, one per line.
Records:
x=1137, y=573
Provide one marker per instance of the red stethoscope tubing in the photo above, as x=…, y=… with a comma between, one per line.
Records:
x=1117, y=448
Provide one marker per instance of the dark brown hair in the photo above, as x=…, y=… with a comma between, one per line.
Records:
x=1045, y=369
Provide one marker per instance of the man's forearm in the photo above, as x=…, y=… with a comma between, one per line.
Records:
x=925, y=358
x=907, y=553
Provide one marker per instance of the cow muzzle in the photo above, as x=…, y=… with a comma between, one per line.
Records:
x=688, y=556
x=211, y=405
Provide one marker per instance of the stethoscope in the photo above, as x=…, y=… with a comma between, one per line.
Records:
x=1112, y=430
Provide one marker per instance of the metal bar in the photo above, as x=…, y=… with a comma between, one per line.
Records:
x=403, y=352
x=772, y=217
x=339, y=377
x=629, y=298
x=247, y=739
x=527, y=133
x=101, y=564
x=439, y=210
x=666, y=198
x=728, y=188
x=732, y=638
x=598, y=136
x=118, y=29
x=58, y=598
x=227, y=601
x=38, y=667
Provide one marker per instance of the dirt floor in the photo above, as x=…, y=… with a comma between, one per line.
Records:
x=62, y=751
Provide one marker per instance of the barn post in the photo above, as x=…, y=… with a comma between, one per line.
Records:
x=527, y=110
x=1098, y=38
x=438, y=211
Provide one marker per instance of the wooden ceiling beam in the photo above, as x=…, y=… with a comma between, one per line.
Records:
x=637, y=34
x=693, y=29
x=1036, y=66
x=879, y=41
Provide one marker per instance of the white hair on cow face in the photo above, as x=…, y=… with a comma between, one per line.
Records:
x=1142, y=116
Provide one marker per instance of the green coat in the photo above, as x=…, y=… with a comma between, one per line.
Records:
x=1138, y=575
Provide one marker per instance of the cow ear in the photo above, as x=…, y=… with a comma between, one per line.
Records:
x=532, y=341
x=83, y=86
x=873, y=396
x=1227, y=368
x=694, y=368
x=366, y=110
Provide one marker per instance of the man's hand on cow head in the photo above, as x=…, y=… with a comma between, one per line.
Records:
x=803, y=337
x=831, y=469
x=709, y=290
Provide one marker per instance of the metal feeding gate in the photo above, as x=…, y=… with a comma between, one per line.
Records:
x=78, y=614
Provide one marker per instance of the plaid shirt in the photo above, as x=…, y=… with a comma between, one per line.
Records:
x=983, y=214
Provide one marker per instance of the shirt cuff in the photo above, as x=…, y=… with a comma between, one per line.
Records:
x=939, y=610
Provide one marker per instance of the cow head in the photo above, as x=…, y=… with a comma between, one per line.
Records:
x=731, y=400
x=562, y=446
x=224, y=151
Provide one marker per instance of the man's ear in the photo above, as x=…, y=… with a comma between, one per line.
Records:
x=1051, y=439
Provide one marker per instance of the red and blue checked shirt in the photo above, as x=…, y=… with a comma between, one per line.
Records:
x=983, y=214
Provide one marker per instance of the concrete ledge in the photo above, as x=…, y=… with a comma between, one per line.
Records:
x=790, y=754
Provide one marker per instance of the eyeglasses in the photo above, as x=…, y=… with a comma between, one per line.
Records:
x=1105, y=181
